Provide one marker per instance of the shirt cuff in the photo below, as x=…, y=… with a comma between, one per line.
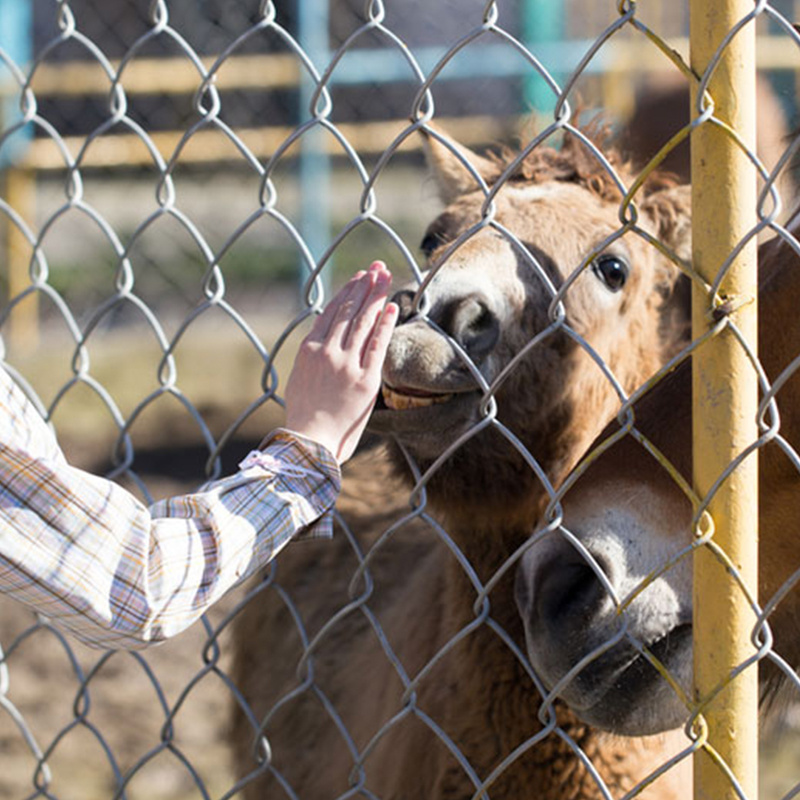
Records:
x=297, y=450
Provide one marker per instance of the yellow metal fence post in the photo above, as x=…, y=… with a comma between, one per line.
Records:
x=725, y=402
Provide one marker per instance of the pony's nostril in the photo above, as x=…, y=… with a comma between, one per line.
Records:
x=409, y=306
x=568, y=591
x=474, y=326
x=405, y=304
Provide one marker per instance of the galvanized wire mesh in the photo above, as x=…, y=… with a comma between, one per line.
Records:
x=391, y=662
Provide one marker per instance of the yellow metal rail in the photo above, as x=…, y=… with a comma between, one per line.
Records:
x=725, y=402
x=178, y=76
x=211, y=145
x=167, y=76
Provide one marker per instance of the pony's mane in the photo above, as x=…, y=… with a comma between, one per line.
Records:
x=575, y=162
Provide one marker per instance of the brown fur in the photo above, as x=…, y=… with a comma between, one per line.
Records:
x=478, y=692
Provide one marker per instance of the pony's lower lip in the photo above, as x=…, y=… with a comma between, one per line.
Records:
x=638, y=673
x=399, y=400
x=666, y=648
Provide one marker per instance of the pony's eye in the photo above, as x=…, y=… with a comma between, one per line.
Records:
x=430, y=242
x=612, y=270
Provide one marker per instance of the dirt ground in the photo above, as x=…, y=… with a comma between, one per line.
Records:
x=102, y=714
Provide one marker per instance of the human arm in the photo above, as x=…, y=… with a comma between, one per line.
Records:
x=88, y=555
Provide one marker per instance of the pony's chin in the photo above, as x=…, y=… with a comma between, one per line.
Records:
x=639, y=700
x=427, y=429
x=658, y=713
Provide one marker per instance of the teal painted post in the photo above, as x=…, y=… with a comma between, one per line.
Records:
x=542, y=21
x=15, y=41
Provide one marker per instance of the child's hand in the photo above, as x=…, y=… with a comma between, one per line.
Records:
x=337, y=372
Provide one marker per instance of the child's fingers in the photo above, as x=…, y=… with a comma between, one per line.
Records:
x=377, y=343
x=357, y=313
x=363, y=322
x=320, y=331
x=349, y=310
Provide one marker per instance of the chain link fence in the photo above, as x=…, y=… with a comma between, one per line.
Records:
x=184, y=186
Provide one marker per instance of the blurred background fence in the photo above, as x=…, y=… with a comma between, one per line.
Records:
x=173, y=175
x=490, y=95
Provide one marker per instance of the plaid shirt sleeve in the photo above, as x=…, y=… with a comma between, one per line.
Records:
x=89, y=556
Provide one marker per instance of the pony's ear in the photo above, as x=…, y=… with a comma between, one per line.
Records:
x=446, y=159
x=667, y=213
